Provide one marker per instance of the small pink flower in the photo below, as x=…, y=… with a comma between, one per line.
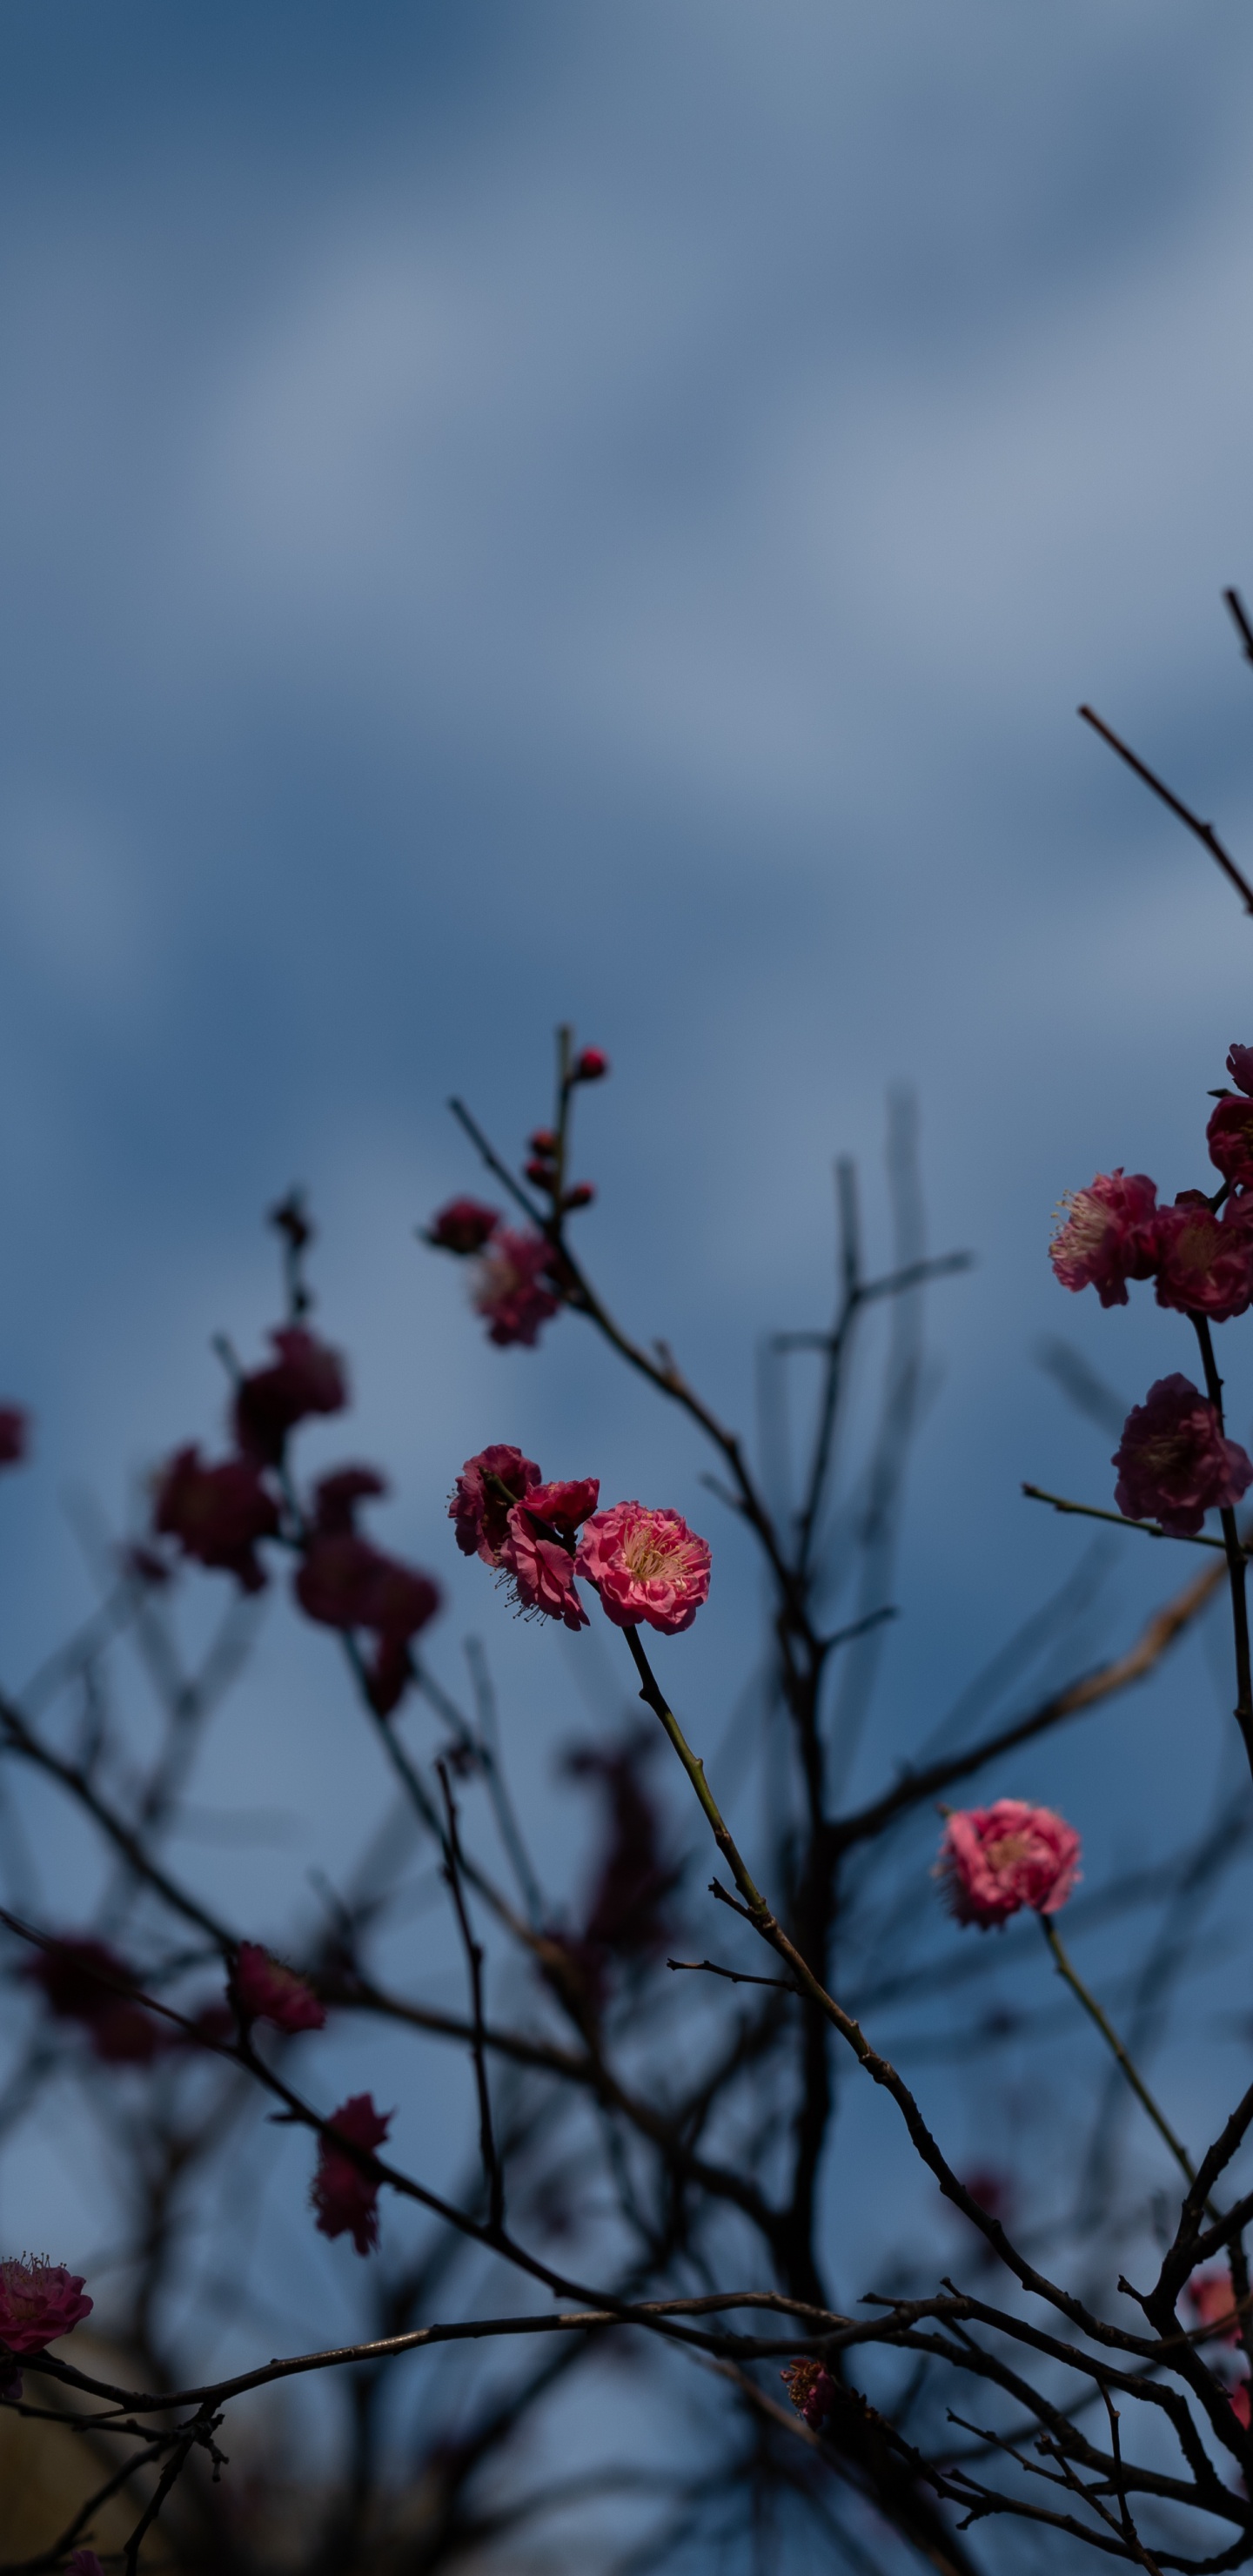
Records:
x=1205, y=1262
x=645, y=1565
x=812, y=2391
x=1106, y=1237
x=307, y=1377
x=1173, y=1461
x=1212, y=2301
x=14, y=1435
x=510, y=1289
x=265, y=1990
x=83, y=1980
x=344, y=2195
x=538, y=1552
x=38, y=2302
x=994, y=1860
x=483, y=1497
x=464, y=1226
x=217, y=1514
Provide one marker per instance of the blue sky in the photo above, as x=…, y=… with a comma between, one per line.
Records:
x=511, y=512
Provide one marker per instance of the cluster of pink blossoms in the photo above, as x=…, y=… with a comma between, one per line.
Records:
x=647, y=1566
x=518, y=1283
x=996, y=1860
x=345, y=2192
x=1174, y=1460
x=218, y=1515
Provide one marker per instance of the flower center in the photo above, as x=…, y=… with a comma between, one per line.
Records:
x=1006, y=1851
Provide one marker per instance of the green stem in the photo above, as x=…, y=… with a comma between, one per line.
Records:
x=652, y=1694
x=1115, y=2046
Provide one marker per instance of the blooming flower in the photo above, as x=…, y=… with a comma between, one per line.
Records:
x=483, y=1497
x=645, y=1565
x=307, y=1377
x=39, y=2301
x=14, y=1435
x=1106, y=1238
x=465, y=1225
x=1205, y=1262
x=217, y=1514
x=510, y=1288
x=1229, y=1136
x=265, y=1990
x=1174, y=1463
x=344, y=2194
x=541, y=1565
x=344, y=1581
x=997, y=1859
x=811, y=2389
x=81, y=1979
x=1212, y=2301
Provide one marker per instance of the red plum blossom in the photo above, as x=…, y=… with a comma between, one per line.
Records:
x=511, y=1291
x=306, y=1378
x=265, y=1990
x=1174, y=1463
x=646, y=1565
x=1106, y=1237
x=994, y=1860
x=38, y=2302
x=812, y=2391
x=217, y=1514
x=464, y=1226
x=345, y=1582
x=83, y=1980
x=14, y=1435
x=484, y=1494
x=1204, y=1261
x=344, y=2194
x=1229, y=1136
x=1212, y=2301
x=1240, y=1067
x=590, y=1066
x=538, y=1551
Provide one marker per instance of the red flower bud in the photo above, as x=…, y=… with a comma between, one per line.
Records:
x=591, y=1066
x=581, y=1195
x=541, y=1174
x=464, y=1226
x=544, y=1142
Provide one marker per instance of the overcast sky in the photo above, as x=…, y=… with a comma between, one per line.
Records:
x=511, y=512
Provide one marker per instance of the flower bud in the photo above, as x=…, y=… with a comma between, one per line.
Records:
x=580, y=1196
x=591, y=1066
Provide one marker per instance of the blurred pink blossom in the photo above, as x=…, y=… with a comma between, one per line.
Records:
x=265, y=1990
x=344, y=2196
x=1205, y=1262
x=463, y=1226
x=14, y=1435
x=217, y=1514
x=306, y=1378
x=38, y=2302
x=510, y=1290
x=994, y=1860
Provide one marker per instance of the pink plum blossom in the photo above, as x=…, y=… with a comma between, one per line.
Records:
x=307, y=1377
x=38, y=2302
x=217, y=1514
x=484, y=1494
x=344, y=2194
x=1240, y=1067
x=1205, y=1262
x=463, y=1226
x=646, y=1565
x=1174, y=1463
x=538, y=1552
x=1106, y=1236
x=265, y=1990
x=1229, y=1136
x=994, y=1860
x=591, y=1065
x=812, y=2391
x=83, y=1980
x=510, y=1289
x=1212, y=2301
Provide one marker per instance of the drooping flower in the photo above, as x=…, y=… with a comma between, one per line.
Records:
x=217, y=1514
x=646, y=1565
x=511, y=1288
x=14, y=1435
x=1174, y=1462
x=483, y=1497
x=1212, y=2301
x=1106, y=1236
x=83, y=1980
x=812, y=2391
x=1205, y=1262
x=994, y=1860
x=307, y=1377
x=464, y=1226
x=265, y=1990
x=39, y=2301
x=344, y=1581
x=537, y=1551
x=345, y=2194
